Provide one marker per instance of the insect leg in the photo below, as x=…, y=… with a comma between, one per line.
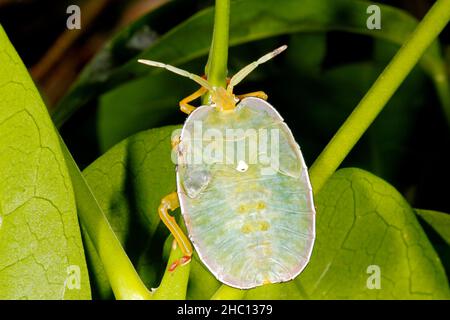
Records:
x=184, y=104
x=170, y=202
x=257, y=94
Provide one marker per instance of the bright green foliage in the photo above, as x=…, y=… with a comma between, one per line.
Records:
x=362, y=221
x=39, y=231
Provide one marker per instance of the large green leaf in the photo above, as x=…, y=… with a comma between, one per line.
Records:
x=41, y=254
x=362, y=221
x=250, y=20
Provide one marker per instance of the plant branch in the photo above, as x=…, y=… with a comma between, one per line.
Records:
x=174, y=283
x=379, y=94
x=216, y=67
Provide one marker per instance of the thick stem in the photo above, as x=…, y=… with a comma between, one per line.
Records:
x=216, y=68
x=379, y=94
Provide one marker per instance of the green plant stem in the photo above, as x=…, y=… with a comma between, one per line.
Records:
x=174, y=283
x=379, y=94
x=125, y=281
x=216, y=67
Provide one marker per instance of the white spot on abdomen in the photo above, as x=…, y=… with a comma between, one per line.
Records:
x=242, y=166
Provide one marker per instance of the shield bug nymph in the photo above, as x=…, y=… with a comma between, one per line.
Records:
x=242, y=186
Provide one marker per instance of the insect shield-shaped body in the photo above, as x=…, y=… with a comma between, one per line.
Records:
x=243, y=188
x=245, y=194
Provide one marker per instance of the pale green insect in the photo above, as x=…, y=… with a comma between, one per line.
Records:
x=242, y=186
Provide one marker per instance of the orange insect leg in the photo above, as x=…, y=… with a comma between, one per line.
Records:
x=170, y=202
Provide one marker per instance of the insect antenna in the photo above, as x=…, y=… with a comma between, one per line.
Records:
x=179, y=71
x=238, y=77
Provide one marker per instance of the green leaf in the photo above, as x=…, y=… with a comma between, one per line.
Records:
x=40, y=240
x=250, y=20
x=438, y=220
x=363, y=221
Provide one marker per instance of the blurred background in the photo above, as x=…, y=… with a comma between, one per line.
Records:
x=315, y=85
